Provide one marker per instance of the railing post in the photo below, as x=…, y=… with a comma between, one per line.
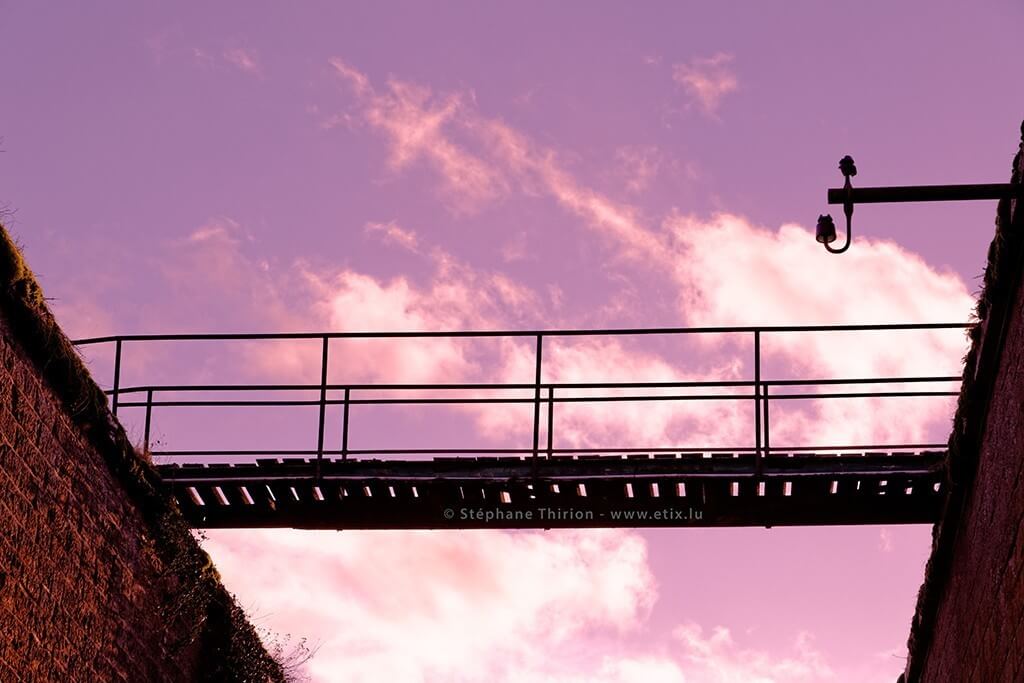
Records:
x=323, y=408
x=149, y=413
x=757, y=401
x=117, y=376
x=344, y=428
x=536, y=398
x=767, y=432
x=551, y=418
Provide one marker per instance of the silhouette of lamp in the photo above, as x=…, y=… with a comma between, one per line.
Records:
x=848, y=196
x=826, y=230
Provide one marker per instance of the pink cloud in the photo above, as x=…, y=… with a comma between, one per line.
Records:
x=715, y=657
x=243, y=60
x=532, y=607
x=302, y=298
x=215, y=258
x=708, y=290
x=538, y=170
x=516, y=248
x=707, y=80
x=732, y=272
x=770, y=276
x=539, y=588
x=625, y=423
x=414, y=121
x=393, y=233
x=459, y=297
x=84, y=316
x=639, y=165
x=418, y=124
x=497, y=606
x=479, y=601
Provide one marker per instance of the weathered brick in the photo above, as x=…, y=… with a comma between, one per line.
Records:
x=75, y=572
x=972, y=628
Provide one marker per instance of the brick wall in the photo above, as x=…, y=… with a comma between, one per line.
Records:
x=100, y=577
x=970, y=621
x=979, y=629
x=81, y=587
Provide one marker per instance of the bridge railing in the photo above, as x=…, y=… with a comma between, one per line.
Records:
x=761, y=392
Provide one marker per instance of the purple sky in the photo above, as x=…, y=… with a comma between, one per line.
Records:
x=436, y=166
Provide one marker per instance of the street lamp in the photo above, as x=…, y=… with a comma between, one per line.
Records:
x=826, y=230
x=847, y=195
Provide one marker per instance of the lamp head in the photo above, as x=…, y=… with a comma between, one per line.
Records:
x=847, y=166
x=826, y=230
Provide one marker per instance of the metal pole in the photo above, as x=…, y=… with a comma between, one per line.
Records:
x=149, y=413
x=344, y=428
x=926, y=193
x=767, y=441
x=117, y=375
x=323, y=408
x=551, y=418
x=536, y=397
x=757, y=398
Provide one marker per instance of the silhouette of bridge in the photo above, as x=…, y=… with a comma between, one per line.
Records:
x=541, y=485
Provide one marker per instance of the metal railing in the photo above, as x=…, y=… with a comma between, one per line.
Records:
x=762, y=391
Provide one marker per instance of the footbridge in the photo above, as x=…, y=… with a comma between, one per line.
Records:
x=549, y=480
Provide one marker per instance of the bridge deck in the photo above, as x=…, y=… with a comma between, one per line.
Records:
x=719, y=489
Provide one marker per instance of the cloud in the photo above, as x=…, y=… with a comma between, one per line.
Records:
x=393, y=233
x=243, y=60
x=217, y=230
x=733, y=272
x=516, y=248
x=456, y=297
x=768, y=276
x=415, y=121
x=515, y=607
x=439, y=130
x=716, y=658
x=528, y=607
x=885, y=541
x=639, y=165
x=83, y=315
x=561, y=606
x=538, y=171
x=215, y=258
x=480, y=606
x=622, y=424
x=707, y=80
x=764, y=276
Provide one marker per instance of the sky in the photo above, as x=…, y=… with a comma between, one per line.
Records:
x=441, y=166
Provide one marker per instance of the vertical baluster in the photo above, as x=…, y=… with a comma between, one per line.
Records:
x=757, y=402
x=323, y=408
x=344, y=427
x=117, y=375
x=551, y=418
x=149, y=413
x=536, y=398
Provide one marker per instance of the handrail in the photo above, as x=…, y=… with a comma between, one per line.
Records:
x=623, y=332
x=178, y=388
x=542, y=392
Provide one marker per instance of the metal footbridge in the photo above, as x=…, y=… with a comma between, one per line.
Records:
x=548, y=482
